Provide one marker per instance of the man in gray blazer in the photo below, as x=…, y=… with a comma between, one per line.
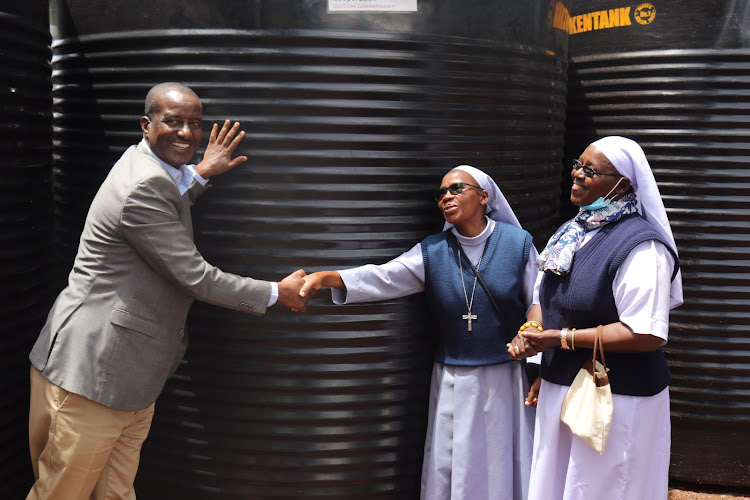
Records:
x=117, y=332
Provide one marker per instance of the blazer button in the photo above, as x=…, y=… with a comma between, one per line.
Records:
x=189, y=297
x=181, y=333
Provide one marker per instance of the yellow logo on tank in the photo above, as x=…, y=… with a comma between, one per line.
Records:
x=611, y=18
x=644, y=13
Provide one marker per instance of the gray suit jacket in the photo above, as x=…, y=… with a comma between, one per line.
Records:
x=117, y=332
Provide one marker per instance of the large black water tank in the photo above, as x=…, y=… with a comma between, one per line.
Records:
x=26, y=221
x=675, y=76
x=352, y=120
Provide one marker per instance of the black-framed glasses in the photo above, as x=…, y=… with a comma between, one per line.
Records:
x=588, y=171
x=455, y=189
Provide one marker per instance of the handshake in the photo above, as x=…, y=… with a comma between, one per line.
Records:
x=296, y=290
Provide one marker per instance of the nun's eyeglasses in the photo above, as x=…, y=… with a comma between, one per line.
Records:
x=588, y=171
x=455, y=189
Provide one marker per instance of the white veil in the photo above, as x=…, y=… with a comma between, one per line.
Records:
x=629, y=159
x=497, y=206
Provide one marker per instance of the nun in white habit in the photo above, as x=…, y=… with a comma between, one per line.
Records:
x=480, y=432
x=615, y=264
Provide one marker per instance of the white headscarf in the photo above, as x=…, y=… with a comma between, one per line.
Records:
x=628, y=158
x=497, y=206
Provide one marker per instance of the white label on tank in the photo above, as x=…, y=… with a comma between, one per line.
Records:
x=372, y=5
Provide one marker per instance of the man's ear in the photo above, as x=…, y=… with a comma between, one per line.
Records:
x=145, y=122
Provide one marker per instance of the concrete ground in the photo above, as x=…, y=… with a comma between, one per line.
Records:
x=687, y=491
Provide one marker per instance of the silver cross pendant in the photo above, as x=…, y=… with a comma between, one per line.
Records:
x=468, y=318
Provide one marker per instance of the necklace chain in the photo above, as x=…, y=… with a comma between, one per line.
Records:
x=469, y=304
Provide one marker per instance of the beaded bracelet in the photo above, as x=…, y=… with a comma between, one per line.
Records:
x=528, y=324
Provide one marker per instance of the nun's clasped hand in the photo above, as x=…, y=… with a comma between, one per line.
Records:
x=520, y=348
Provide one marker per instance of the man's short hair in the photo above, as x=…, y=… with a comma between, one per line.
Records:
x=161, y=89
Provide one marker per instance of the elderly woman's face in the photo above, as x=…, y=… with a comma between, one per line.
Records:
x=466, y=206
x=586, y=190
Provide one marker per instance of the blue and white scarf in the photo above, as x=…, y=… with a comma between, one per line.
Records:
x=557, y=256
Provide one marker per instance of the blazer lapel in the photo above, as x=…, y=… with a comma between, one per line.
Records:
x=183, y=208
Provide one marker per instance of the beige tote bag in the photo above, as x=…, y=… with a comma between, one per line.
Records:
x=587, y=407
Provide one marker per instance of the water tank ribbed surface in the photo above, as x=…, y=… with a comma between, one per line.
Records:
x=679, y=84
x=26, y=221
x=351, y=120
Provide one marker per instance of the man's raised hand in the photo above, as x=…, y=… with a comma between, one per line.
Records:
x=221, y=145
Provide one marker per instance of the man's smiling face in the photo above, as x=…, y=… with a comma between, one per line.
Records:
x=174, y=131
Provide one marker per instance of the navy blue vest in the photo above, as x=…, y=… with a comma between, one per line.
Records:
x=505, y=256
x=583, y=299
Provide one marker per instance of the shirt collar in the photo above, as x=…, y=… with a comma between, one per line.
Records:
x=174, y=172
x=478, y=239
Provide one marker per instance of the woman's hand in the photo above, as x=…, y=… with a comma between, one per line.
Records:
x=520, y=348
x=541, y=341
x=533, y=397
x=314, y=281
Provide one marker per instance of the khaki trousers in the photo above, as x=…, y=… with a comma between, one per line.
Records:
x=82, y=450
